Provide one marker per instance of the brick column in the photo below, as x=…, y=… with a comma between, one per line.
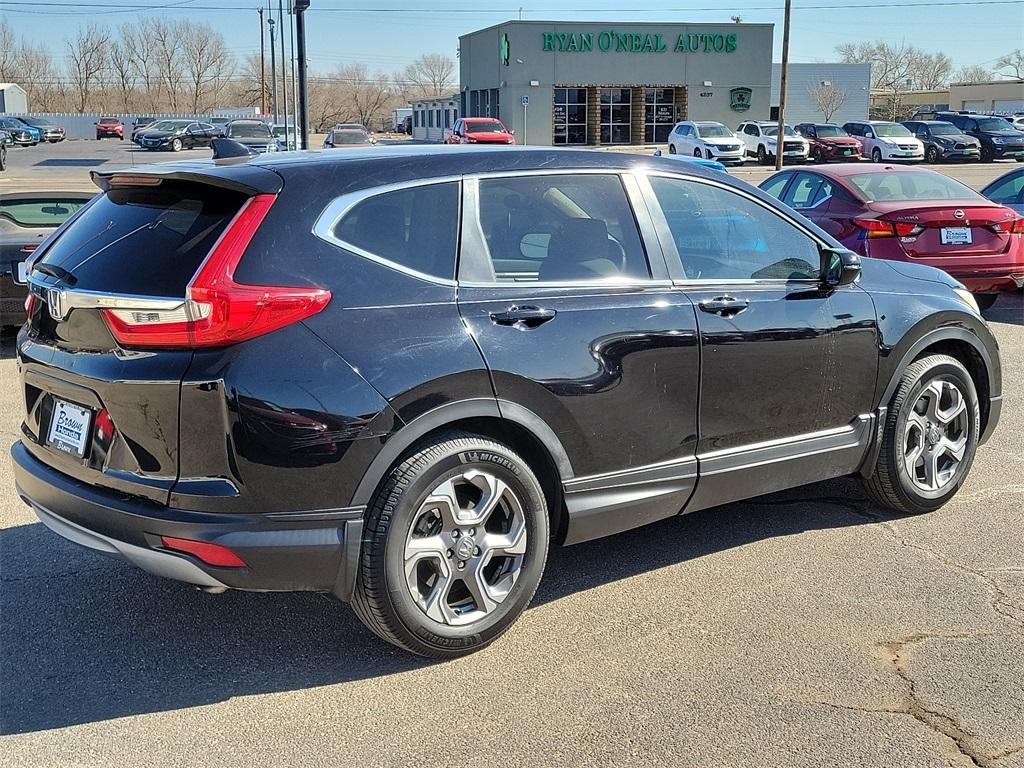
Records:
x=636, y=116
x=593, y=115
x=682, y=108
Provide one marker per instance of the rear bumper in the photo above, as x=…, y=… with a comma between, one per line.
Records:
x=296, y=551
x=981, y=282
x=12, y=301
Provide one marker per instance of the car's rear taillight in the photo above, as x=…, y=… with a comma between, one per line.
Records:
x=1018, y=226
x=30, y=303
x=211, y=554
x=217, y=310
x=875, y=228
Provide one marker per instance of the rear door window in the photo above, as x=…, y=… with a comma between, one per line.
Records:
x=416, y=228
x=141, y=240
x=560, y=228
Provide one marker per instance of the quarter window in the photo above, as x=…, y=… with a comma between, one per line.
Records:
x=776, y=184
x=416, y=227
x=721, y=235
x=1008, y=191
x=560, y=228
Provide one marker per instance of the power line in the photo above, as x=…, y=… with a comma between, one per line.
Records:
x=131, y=8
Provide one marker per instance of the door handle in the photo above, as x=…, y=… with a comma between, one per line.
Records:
x=522, y=317
x=726, y=306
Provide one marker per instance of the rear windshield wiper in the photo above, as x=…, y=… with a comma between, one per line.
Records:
x=59, y=272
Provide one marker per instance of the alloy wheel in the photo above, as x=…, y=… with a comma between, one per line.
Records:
x=935, y=436
x=465, y=548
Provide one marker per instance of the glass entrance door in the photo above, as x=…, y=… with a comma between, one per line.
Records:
x=659, y=114
x=616, y=108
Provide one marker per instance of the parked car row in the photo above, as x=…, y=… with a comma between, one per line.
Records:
x=29, y=131
x=951, y=136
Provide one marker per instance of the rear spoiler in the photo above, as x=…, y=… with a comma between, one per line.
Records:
x=237, y=177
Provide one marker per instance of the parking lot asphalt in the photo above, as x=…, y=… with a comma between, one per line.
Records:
x=807, y=628
x=66, y=166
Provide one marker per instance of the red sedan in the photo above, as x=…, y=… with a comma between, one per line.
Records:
x=912, y=215
x=479, y=130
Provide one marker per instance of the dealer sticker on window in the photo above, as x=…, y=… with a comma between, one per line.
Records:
x=69, y=427
x=955, y=236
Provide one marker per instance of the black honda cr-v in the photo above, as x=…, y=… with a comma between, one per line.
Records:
x=398, y=375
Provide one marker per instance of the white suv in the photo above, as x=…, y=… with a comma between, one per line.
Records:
x=883, y=140
x=706, y=139
x=759, y=137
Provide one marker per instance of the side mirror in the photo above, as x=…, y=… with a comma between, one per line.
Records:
x=512, y=132
x=839, y=267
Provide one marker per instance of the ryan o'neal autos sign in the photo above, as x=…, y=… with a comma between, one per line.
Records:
x=634, y=42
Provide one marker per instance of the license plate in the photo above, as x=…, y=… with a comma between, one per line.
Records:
x=22, y=274
x=69, y=427
x=955, y=236
x=792, y=153
x=847, y=151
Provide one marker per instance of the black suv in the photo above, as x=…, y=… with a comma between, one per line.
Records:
x=944, y=141
x=999, y=139
x=397, y=375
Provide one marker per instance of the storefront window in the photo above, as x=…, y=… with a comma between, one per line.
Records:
x=569, y=116
x=659, y=114
x=615, y=115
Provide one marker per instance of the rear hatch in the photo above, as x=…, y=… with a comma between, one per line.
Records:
x=108, y=337
x=950, y=230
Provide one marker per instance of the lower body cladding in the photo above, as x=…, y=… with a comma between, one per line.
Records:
x=293, y=551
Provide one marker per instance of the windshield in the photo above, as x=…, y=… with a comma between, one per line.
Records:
x=280, y=130
x=44, y=212
x=830, y=131
x=911, y=185
x=249, y=131
x=476, y=126
x=714, y=131
x=943, y=129
x=772, y=130
x=995, y=124
x=351, y=137
x=891, y=130
x=35, y=122
x=109, y=121
x=171, y=125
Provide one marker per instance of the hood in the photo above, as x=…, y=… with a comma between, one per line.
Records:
x=913, y=270
x=718, y=141
x=839, y=141
x=489, y=136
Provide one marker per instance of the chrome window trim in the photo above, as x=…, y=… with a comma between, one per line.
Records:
x=643, y=177
x=471, y=221
x=339, y=207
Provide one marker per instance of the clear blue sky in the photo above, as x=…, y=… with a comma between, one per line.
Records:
x=389, y=40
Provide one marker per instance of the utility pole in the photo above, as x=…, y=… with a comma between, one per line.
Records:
x=273, y=62
x=300, y=36
x=284, y=60
x=781, y=135
x=263, y=65
x=294, y=127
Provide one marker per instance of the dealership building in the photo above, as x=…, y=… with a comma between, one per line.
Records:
x=572, y=83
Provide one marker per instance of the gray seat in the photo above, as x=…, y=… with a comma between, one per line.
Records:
x=578, y=251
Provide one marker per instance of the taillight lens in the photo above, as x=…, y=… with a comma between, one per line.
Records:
x=1018, y=226
x=875, y=228
x=219, y=311
x=30, y=304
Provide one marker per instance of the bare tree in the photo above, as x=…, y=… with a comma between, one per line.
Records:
x=430, y=75
x=162, y=41
x=123, y=75
x=87, y=62
x=1012, y=64
x=208, y=64
x=828, y=98
x=367, y=97
x=891, y=66
x=975, y=73
x=8, y=53
x=249, y=81
x=135, y=41
x=930, y=70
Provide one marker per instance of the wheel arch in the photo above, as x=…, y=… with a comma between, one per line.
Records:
x=518, y=427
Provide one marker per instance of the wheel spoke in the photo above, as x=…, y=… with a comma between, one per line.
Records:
x=953, y=448
x=477, y=586
x=444, y=501
x=493, y=490
x=933, y=396
x=419, y=547
x=931, y=469
x=436, y=603
x=511, y=543
x=959, y=406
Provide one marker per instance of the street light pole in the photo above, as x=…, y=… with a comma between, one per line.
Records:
x=273, y=63
x=780, y=136
x=284, y=61
x=263, y=65
x=300, y=36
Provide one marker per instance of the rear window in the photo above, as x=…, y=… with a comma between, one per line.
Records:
x=44, y=212
x=147, y=241
x=911, y=185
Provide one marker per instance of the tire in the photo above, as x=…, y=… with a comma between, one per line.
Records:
x=987, y=155
x=816, y=155
x=762, y=155
x=3, y=159
x=671, y=149
x=985, y=300
x=176, y=145
x=931, y=155
x=876, y=155
x=892, y=484
x=697, y=152
x=393, y=601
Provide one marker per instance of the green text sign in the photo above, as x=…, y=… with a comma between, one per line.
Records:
x=634, y=42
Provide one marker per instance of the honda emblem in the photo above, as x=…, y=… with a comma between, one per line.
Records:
x=55, y=303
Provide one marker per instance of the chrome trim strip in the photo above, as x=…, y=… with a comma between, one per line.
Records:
x=83, y=299
x=795, y=447
x=323, y=228
x=673, y=469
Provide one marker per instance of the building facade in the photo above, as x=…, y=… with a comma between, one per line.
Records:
x=812, y=90
x=571, y=83
x=13, y=99
x=1004, y=97
x=431, y=117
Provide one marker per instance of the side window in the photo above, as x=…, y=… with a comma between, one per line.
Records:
x=560, y=228
x=776, y=184
x=750, y=129
x=721, y=235
x=802, y=192
x=1007, y=191
x=416, y=228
